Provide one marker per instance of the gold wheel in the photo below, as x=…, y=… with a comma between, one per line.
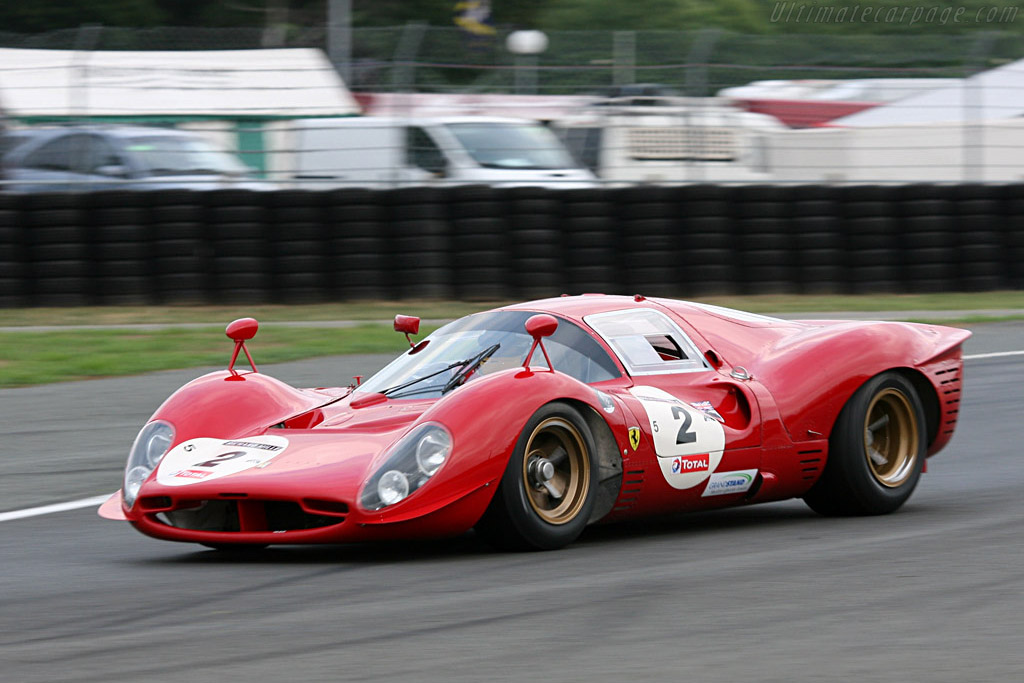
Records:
x=891, y=437
x=556, y=471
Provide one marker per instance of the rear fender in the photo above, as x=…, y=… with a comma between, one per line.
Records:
x=845, y=356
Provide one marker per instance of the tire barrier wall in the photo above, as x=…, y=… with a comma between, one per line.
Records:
x=475, y=242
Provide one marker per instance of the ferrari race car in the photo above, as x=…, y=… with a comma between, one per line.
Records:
x=529, y=422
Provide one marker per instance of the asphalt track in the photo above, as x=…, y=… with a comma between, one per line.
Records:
x=767, y=593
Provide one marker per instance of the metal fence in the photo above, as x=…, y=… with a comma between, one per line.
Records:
x=417, y=59
x=422, y=58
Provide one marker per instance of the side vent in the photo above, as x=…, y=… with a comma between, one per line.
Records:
x=811, y=463
x=632, y=483
x=949, y=396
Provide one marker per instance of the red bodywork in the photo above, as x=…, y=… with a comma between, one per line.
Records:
x=775, y=386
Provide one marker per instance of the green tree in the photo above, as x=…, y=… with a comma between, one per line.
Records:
x=35, y=17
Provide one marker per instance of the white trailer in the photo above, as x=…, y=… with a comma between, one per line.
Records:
x=985, y=151
x=671, y=140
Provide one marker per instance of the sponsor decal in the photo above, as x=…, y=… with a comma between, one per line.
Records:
x=708, y=409
x=689, y=443
x=721, y=483
x=254, y=444
x=191, y=474
x=634, y=437
x=691, y=463
x=206, y=459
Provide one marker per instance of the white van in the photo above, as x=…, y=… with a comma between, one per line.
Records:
x=381, y=152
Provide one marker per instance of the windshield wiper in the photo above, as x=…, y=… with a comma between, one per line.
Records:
x=465, y=368
x=468, y=366
x=404, y=385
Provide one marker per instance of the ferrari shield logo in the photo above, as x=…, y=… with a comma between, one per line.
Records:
x=634, y=437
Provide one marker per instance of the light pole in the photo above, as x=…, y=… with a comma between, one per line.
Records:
x=526, y=46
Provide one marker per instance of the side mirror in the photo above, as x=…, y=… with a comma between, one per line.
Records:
x=407, y=324
x=241, y=331
x=540, y=326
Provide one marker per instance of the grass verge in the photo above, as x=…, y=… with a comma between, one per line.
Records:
x=28, y=357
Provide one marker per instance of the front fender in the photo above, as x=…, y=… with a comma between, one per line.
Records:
x=224, y=405
x=485, y=417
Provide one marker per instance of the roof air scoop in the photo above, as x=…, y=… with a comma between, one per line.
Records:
x=240, y=331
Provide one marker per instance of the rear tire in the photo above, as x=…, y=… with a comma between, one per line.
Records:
x=876, y=451
x=548, y=490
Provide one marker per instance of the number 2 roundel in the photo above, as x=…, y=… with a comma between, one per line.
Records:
x=688, y=442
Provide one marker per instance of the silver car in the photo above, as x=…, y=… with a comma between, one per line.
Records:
x=116, y=157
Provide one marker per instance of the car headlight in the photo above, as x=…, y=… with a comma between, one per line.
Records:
x=150, y=446
x=410, y=464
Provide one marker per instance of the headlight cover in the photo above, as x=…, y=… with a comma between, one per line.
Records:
x=417, y=457
x=152, y=443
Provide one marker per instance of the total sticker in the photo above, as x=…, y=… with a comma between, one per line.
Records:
x=206, y=459
x=687, y=441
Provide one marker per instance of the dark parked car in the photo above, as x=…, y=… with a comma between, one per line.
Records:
x=116, y=157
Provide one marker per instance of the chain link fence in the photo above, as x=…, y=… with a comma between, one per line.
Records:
x=422, y=59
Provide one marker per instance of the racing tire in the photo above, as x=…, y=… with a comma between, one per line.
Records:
x=524, y=514
x=876, y=451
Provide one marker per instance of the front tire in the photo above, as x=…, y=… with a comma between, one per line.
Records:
x=876, y=451
x=548, y=489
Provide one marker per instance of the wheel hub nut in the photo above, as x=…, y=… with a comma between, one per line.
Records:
x=541, y=471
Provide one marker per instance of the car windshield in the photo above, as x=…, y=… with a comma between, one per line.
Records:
x=499, y=338
x=173, y=155
x=512, y=145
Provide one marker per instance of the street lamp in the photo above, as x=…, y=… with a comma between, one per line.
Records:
x=526, y=46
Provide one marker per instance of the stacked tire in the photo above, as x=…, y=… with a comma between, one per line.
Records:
x=590, y=242
x=707, y=263
x=420, y=243
x=873, y=248
x=14, y=289
x=122, y=247
x=1013, y=262
x=817, y=239
x=481, y=250
x=979, y=229
x=536, y=242
x=59, y=250
x=181, y=257
x=763, y=240
x=649, y=230
x=237, y=235
x=357, y=229
x=929, y=238
x=297, y=236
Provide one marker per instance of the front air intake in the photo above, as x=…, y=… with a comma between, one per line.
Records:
x=252, y=516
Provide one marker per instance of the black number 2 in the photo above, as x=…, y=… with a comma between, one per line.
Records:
x=684, y=435
x=223, y=457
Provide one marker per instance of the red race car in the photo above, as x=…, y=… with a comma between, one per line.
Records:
x=529, y=422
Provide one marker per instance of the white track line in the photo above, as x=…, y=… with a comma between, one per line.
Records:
x=998, y=354
x=97, y=500
x=57, y=507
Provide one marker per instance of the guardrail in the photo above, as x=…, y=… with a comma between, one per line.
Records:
x=475, y=242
